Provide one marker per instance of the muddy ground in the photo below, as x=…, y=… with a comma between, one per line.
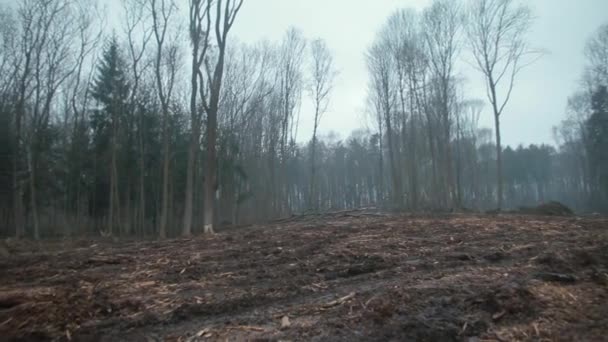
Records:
x=340, y=277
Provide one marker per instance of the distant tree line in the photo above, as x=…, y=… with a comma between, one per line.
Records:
x=583, y=134
x=435, y=156
x=170, y=127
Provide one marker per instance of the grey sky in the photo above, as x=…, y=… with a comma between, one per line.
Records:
x=349, y=26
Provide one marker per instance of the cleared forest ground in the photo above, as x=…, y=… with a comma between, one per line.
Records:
x=345, y=276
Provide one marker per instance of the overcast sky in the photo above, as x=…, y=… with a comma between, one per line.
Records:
x=349, y=27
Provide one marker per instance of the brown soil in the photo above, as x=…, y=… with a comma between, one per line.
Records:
x=339, y=277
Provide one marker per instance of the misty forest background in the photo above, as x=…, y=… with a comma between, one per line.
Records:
x=169, y=126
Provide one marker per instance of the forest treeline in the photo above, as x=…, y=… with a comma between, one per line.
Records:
x=168, y=125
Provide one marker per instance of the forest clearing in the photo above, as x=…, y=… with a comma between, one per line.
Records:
x=229, y=170
x=350, y=275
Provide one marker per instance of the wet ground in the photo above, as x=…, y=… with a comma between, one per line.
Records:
x=337, y=277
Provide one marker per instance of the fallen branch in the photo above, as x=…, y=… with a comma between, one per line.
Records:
x=248, y=327
x=556, y=277
x=339, y=300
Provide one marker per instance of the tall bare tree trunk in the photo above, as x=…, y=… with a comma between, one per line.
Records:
x=313, y=199
x=113, y=179
x=392, y=154
x=192, y=153
x=404, y=158
x=162, y=231
x=223, y=22
x=142, y=179
x=416, y=108
x=194, y=137
x=432, y=146
x=198, y=15
x=32, y=183
x=380, y=195
x=449, y=172
x=505, y=24
x=322, y=79
x=458, y=164
x=210, y=174
x=17, y=185
x=413, y=163
x=160, y=19
x=498, y=162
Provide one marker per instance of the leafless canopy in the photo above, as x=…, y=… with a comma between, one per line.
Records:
x=497, y=32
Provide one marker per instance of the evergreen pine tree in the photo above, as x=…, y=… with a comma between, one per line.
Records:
x=110, y=89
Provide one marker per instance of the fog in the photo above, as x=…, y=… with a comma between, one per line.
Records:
x=166, y=118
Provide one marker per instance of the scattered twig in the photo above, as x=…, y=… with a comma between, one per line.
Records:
x=498, y=315
x=248, y=327
x=6, y=322
x=464, y=328
x=339, y=300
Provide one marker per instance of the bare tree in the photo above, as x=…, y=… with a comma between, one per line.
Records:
x=199, y=30
x=467, y=123
x=246, y=87
x=407, y=49
x=497, y=35
x=47, y=50
x=31, y=35
x=382, y=87
x=89, y=31
x=441, y=26
x=596, y=52
x=224, y=19
x=290, y=83
x=375, y=112
x=138, y=35
x=9, y=61
x=165, y=64
x=321, y=84
x=10, y=78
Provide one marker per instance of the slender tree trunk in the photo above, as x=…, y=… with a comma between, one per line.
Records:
x=313, y=204
x=398, y=190
x=449, y=172
x=32, y=183
x=272, y=192
x=313, y=200
x=447, y=151
x=458, y=164
x=126, y=218
x=114, y=203
x=499, y=183
x=18, y=210
x=192, y=154
x=380, y=194
x=17, y=187
x=171, y=205
x=403, y=133
x=415, y=107
x=142, y=179
x=111, y=209
x=210, y=173
x=498, y=162
x=434, y=181
x=162, y=231
x=194, y=136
